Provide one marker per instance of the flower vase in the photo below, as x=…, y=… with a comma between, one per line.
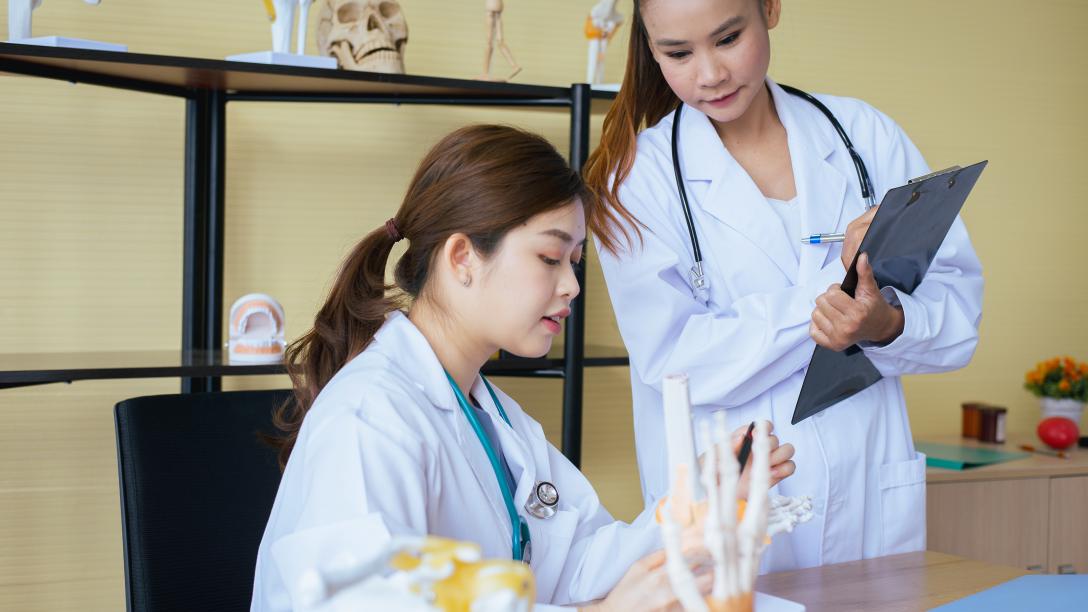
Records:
x=1062, y=407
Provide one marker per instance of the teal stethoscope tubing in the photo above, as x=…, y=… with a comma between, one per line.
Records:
x=519, y=529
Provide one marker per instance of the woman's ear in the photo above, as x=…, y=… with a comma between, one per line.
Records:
x=772, y=11
x=459, y=257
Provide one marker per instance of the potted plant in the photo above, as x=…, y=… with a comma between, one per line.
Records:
x=1062, y=384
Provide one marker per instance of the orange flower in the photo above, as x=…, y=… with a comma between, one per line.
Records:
x=1083, y=369
x=1064, y=385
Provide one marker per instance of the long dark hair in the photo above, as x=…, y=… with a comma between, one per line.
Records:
x=481, y=181
x=643, y=100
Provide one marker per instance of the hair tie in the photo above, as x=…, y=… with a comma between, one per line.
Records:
x=391, y=229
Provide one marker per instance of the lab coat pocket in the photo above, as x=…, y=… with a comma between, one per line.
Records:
x=903, y=506
x=551, y=541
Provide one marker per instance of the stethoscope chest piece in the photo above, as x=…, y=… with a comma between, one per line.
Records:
x=544, y=500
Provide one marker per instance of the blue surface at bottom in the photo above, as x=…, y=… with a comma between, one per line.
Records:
x=1036, y=592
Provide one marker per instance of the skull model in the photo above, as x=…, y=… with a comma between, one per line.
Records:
x=365, y=35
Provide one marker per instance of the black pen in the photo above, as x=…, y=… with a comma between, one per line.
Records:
x=745, y=448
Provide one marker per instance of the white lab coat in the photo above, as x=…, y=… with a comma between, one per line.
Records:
x=386, y=450
x=747, y=348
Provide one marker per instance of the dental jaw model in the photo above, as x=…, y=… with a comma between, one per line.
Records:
x=256, y=330
x=19, y=28
x=735, y=532
x=282, y=15
x=419, y=574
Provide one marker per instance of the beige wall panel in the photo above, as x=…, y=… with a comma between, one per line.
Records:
x=971, y=81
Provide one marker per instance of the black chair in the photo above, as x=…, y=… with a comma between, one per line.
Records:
x=197, y=486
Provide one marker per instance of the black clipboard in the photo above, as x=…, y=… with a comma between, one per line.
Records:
x=908, y=229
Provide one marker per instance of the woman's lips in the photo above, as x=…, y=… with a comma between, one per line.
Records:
x=723, y=101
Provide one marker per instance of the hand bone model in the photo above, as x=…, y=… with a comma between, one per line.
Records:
x=735, y=532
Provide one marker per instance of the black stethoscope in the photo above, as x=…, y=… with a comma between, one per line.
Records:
x=545, y=497
x=700, y=285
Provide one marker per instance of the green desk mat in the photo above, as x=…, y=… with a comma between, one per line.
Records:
x=955, y=457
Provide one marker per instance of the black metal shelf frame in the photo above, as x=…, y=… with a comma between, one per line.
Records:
x=205, y=177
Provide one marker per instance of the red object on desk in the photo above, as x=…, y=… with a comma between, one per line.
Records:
x=1058, y=432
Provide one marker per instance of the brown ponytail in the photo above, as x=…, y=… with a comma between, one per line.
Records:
x=643, y=100
x=481, y=181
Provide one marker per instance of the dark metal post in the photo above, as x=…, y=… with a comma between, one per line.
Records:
x=575, y=334
x=205, y=171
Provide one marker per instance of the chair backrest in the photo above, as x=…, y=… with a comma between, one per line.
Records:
x=197, y=486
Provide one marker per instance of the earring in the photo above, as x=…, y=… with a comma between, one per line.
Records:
x=467, y=281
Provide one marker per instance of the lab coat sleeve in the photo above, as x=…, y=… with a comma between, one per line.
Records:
x=732, y=354
x=942, y=315
x=602, y=548
x=360, y=479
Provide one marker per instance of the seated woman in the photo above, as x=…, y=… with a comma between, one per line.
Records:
x=395, y=432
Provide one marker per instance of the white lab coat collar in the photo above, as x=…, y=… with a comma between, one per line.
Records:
x=821, y=186
x=402, y=341
x=734, y=199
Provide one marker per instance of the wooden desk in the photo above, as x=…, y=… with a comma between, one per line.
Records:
x=1032, y=466
x=1027, y=513
x=914, y=581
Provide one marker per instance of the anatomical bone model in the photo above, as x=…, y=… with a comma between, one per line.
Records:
x=735, y=532
x=601, y=25
x=494, y=37
x=419, y=574
x=282, y=15
x=365, y=35
x=19, y=17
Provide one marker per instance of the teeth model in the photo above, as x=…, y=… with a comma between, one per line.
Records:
x=256, y=330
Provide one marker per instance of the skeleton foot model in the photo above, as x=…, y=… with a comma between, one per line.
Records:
x=735, y=532
x=494, y=37
x=365, y=35
x=20, y=14
x=601, y=25
x=282, y=15
x=419, y=574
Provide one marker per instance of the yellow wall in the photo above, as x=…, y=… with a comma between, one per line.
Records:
x=91, y=202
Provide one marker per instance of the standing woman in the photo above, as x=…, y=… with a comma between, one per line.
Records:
x=761, y=167
x=394, y=430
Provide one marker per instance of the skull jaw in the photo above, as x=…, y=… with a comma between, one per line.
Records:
x=382, y=59
x=388, y=62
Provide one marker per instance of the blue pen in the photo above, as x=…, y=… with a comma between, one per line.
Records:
x=823, y=238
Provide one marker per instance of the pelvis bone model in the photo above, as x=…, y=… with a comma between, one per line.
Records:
x=735, y=532
x=367, y=35
x=256, y=330
x=419, y=574
x=19, y=17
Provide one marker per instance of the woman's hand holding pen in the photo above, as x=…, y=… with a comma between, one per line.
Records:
x=782, y=465
x=840, y=321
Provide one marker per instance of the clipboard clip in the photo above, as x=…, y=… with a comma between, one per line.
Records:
x=933, y=174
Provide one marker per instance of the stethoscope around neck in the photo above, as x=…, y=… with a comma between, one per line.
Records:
x=545, y=498
x=700, y=284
